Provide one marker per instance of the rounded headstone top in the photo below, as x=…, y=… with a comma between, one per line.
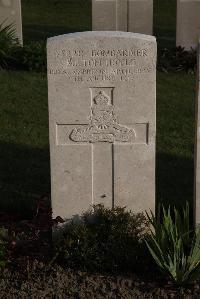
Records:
x=103, y=34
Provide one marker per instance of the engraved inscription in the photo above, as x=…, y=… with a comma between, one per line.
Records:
x=65, y=53
x=81, y=66
x=103, y=125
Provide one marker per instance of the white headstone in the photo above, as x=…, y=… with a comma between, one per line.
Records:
x=10, y=13
x=102, y=92
x=188, y=23
x=123, y=15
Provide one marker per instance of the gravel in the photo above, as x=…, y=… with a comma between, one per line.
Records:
x=41, y=281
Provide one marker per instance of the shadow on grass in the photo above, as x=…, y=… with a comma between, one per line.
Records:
x=174, y=179
x=24, y=177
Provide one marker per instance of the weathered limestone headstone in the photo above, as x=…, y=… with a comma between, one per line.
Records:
x=188, y=23
x=10, y=12
x=123, y=15
x=197, y=150
x=101, y=89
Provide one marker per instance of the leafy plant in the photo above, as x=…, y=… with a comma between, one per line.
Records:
x=8, y=44
x=104, y=239
x=177, y=59
x=33, y=57
x=174, y=247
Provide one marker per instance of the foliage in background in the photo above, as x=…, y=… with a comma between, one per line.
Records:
x=33, y=57
x=104, y=240
x=30, y=57
x=8, y=45
x=174, y=246
x=177, y=60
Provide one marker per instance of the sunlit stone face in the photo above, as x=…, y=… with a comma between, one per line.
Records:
x=6, y=3
x=123, y=15
x=102, y=121
x=188, y=24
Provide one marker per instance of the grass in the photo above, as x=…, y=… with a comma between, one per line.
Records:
x=175, y=137
x=46, y=18
x=24, y=146
x=24, y=150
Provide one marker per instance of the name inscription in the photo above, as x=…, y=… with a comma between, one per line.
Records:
x=102, y=65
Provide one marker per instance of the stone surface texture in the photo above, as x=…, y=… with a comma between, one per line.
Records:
x=10, y=13
x=102, y=101
x=188, y=23
x=123, y=15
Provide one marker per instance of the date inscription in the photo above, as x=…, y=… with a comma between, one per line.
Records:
x=101, y=65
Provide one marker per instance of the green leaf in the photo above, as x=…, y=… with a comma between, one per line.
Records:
x=168, y=244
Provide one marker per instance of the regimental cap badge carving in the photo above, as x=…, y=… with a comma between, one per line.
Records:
x=103, y=126
x=101, y=99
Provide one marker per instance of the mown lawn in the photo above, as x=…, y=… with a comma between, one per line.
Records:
x=24, y=150
x=24, y=145
x=175, y=136
x=25, y=175
x=46, y=18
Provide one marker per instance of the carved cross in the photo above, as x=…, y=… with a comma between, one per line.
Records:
x=103, y=133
